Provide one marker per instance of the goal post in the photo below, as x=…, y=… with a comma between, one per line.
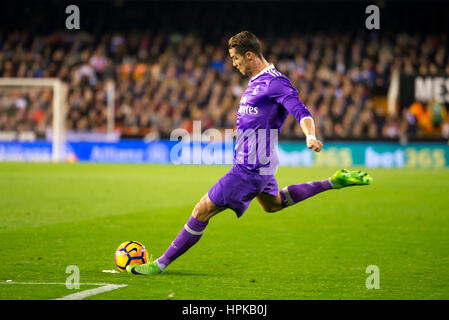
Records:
x=58, y=108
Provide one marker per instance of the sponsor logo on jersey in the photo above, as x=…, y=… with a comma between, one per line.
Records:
x=246, y=109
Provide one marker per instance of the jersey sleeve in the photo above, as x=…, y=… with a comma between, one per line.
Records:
x=281, y=91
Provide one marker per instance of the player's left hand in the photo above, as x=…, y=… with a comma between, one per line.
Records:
x=314, y=144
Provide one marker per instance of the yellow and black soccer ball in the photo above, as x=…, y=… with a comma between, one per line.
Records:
x=130, y=253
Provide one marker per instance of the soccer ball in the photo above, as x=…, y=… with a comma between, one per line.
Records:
x=130, y=253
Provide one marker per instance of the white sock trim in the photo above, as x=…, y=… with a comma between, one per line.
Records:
x=160, y=265
x=288, y=197
x=330, y=182
x=195, y=233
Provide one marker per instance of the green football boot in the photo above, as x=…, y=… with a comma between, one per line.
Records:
x=344, y=178
x=142, y=269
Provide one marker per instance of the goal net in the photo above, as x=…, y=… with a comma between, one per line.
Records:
x=34, y=109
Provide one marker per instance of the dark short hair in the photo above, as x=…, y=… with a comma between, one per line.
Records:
x=243, y=42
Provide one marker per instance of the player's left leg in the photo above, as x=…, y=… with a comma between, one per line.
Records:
x=296, y=193
x=291, y=195
x=270, y=203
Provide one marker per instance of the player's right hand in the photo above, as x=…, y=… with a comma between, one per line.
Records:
x=314, y=144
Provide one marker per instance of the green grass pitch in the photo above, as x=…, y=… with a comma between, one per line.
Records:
x=55, y=215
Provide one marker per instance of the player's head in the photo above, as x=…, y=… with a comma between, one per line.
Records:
x=244, y=49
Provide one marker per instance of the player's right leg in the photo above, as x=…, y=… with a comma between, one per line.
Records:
x=235, y=190
x=189, y=235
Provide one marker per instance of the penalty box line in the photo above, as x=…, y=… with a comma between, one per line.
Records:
x=104, y=287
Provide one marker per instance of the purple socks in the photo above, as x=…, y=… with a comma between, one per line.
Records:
x=189, y=235
x=299, y=192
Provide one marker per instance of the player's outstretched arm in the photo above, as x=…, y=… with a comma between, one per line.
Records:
x=308, y=127
x=281, y=90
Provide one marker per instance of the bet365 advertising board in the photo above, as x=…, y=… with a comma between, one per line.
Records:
x=334, y=154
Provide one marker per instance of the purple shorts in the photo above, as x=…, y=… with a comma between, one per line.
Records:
x=237, y=188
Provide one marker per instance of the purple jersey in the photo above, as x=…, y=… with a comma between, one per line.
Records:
x=263, y=108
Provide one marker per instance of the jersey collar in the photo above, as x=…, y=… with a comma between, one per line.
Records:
x=270, y=66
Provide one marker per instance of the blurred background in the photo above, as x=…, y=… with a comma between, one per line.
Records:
x=137, y=70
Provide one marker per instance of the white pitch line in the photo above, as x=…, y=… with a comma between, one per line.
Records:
x=55, y=283
x=78, y=295
x=91, y=292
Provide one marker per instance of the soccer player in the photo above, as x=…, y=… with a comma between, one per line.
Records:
x=263, y=108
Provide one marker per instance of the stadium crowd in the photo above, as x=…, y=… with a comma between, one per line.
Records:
x=164, y=82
